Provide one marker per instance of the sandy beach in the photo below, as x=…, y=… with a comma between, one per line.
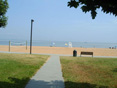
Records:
x=60, y=50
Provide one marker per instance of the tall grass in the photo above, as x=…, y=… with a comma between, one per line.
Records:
x=17, y=69
x=86, y=72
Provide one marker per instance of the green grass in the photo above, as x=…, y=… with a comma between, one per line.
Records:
x=17, y=69
x=87, y=72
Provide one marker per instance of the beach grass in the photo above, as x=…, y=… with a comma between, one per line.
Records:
x=17, y=69
x=88, y=72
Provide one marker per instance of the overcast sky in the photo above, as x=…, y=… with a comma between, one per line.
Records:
x=54, y=21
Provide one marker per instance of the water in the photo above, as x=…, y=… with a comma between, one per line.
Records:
x=61, y=44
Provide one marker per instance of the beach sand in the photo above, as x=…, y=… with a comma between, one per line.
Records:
x=60, y=50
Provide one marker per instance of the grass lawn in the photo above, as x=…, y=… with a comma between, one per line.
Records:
x=17, y=69
x=87, y=72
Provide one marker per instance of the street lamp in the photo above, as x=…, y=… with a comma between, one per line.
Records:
x=31, y=36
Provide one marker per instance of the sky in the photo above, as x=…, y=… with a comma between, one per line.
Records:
x=55, y=21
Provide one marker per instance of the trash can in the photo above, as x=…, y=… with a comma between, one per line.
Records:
x=74, y=53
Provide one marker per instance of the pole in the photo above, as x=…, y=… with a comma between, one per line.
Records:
x=9, y=45
x=26, y=45
x=31, y=36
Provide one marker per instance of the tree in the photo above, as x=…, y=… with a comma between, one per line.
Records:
x=107, y=6
x=3, y=9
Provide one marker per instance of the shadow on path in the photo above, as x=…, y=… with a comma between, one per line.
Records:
x=21, y=83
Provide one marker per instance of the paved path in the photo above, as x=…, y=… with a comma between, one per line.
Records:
x=59, y=54
x=49, y=76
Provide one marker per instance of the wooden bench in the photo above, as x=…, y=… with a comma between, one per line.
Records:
x=86, y=53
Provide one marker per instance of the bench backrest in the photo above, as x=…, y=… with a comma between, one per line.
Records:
x=87, y=53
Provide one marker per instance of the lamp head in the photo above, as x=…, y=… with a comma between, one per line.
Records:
x=32, y=20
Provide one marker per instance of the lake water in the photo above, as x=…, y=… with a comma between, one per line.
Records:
x=60, y=44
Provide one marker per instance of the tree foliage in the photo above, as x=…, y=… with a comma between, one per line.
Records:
x=3, y=9
x=107, y=6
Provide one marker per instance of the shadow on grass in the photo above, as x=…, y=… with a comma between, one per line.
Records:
x=14, y=83
x=115, y=70
x=69, y=84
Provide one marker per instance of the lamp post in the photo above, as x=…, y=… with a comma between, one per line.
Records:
x=31, y=36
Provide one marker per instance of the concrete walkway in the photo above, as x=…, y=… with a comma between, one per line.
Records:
x=49, y=76
x=59, y=54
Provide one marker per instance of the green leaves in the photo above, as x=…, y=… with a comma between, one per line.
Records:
x=93, y=14
x=73, y=3
x=85, y=9
x=3, y=9
x=3, y=21
x=107, y=6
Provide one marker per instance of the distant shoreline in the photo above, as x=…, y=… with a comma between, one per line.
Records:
x=62, y=44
